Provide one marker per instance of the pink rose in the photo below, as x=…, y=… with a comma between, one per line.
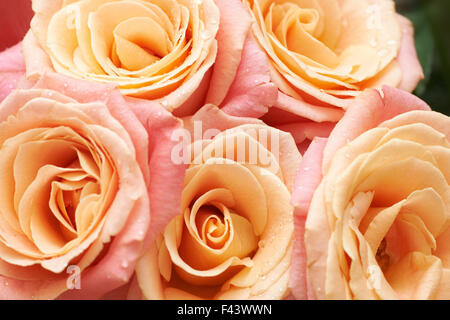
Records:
x=79, y=193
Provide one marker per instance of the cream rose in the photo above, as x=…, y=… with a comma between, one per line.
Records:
x=151, y=49
x=73, y=193
x=234, y=234
x=378, y=224
x=325, y=52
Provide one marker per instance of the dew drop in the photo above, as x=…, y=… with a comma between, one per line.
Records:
x=382, y=52
x=262, y=244
x=391, y=43
x=124, y=264
x=205, y=35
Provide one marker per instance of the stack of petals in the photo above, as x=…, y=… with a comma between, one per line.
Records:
x=218, y=149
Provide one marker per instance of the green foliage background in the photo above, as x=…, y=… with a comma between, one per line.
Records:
x=431, y=19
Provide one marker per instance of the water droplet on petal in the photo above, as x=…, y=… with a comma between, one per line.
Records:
x=383, y=52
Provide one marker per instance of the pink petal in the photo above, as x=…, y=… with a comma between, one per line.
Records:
x=252, y=92
x=307, y=130
x=307, y=110
x=307, y=181
x=81, y=90
x=211, y=117
x=12, y=69
x=412, y=71
x=166, y=177
x=234, y=26
x=367, y=111
x=309, y=176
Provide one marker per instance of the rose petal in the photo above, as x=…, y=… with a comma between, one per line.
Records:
x=166, y=177
x=12, y=69
x=252, y=92
x=366, y=112
x=234, y=25
x=307, y=181
x=407, y=58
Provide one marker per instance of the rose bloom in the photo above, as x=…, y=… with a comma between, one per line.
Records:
x=74, y=189
x=233, y=236
x=324, y=53
x=378, y=223
x=150, y=49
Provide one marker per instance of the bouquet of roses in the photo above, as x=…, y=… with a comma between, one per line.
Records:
x=219, y=149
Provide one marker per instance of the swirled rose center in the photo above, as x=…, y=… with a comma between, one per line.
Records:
x=336, y=45
x=61, y=195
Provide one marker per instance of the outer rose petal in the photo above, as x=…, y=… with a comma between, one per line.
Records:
x=12, y=69
x=166, y=177
x=367, y=111
x=251, y=93
x=412, y=71
x=211, y=117
x=234, y=26
x=307, y=181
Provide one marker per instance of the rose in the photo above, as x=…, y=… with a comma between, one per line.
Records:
x=150, y=49
x=324, y=53
x=76, y=166
x=232, y=238
x=377, y=224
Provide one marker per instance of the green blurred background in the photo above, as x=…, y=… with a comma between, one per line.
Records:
x=431, y=19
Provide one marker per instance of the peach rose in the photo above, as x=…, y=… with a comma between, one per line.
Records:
x=378, y=223
x=324, y=53
x=74, y=189
x=232, y=238
x=150, y=49
x=156, y=50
